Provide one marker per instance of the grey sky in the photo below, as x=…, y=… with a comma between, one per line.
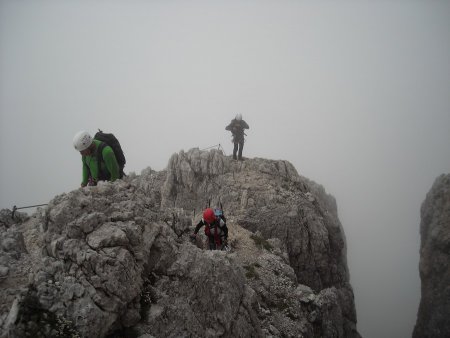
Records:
x=354, y=93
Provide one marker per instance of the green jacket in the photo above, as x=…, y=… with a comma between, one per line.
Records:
x=109, y=165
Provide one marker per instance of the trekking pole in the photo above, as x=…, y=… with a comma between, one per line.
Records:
x=30, y=206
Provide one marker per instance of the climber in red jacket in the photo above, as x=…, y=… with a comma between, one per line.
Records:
x=215, y=228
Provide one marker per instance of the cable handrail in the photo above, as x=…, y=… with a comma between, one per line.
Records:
x=27, y=207
x=219, y=147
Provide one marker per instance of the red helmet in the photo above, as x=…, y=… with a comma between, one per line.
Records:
x=209, y=216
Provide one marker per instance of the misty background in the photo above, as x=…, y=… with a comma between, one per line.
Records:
x=355, y=94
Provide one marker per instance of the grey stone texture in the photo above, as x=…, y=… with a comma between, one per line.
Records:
x=433, y=319
x=117, y=260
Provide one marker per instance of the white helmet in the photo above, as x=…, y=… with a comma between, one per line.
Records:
x=82, y=140
x=238, y=117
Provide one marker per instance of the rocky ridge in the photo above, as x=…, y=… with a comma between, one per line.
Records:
x=433, y=315
x=116, y=260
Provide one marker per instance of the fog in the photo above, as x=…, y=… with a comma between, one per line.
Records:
x=355, y=94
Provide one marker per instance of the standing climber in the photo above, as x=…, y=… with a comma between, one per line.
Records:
x=99, y=160
x=237, y=127
x=215, y=228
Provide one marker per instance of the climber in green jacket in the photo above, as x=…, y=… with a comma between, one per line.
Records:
x=99, y=161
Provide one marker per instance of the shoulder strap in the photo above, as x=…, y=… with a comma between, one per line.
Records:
x=102, y=175
x=100, y=148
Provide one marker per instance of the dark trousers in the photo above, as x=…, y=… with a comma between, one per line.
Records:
x=237, y=145
x=212, y=243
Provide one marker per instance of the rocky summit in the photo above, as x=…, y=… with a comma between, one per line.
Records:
x=116, y=259
x=434, y=310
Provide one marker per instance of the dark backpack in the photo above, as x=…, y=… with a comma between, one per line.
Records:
x=111, y=140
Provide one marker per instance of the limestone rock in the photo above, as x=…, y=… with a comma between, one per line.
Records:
x=270, y=197
x=15, y=263
x=116, y=259
x=434, y=310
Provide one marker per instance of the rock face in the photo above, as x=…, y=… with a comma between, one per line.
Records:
x=15, y=263
x=116, y=259
x=270, y=197
x=434, y=310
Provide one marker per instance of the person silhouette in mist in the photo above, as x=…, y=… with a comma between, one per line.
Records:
x=237, y=126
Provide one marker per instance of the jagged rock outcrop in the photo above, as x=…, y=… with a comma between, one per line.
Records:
x=270, y=197
x=434, y=310
x=15, y=263
x=116, y=259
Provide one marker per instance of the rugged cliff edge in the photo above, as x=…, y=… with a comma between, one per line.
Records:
x=434, y=310
x=116, y=260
